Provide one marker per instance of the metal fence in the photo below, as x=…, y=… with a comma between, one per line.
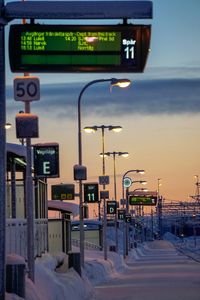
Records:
x=16, y=237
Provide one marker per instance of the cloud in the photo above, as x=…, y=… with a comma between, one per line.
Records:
x=156, y=96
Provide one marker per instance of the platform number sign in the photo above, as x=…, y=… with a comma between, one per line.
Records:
x=121, y=214
x=26, y=88
x=46, y=160
x=91, y=192
x=128, y=218
x=111, y=207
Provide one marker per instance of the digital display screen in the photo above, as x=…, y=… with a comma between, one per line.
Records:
x=138, y=200
x=68, y=48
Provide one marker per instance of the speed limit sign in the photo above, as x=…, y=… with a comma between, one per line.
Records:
x=26, y=88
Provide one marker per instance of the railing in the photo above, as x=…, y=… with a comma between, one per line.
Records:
x=16, y=237
x=87, y=245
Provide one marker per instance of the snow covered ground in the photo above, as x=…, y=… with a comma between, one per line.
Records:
x=54, y=283
x=64, y=283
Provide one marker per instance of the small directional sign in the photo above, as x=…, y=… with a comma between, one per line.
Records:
x=121, y=214
x=62, y=192
x=104, y=194
x=111, y=207
x=103, y=180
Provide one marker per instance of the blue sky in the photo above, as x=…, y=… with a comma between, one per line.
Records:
x=159, y=113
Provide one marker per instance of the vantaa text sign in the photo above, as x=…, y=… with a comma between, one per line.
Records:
x=46, y=160
x=67, y=48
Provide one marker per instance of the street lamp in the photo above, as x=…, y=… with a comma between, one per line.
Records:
x=8, y=125
x=127, y=204
x=130, y=171
x=114, y=154
x=92, y=129
x=113, y=82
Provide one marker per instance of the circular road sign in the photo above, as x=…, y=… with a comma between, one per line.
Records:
x=127, y=182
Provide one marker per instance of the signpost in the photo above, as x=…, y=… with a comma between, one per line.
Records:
x=67, y=48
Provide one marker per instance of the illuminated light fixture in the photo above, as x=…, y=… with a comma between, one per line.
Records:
x=122, y=83
x=141, y=171
x=140, y=190
x=123, y=154
x=8, y=125
x=90, y=129
x=115, y=128
x=143, y=182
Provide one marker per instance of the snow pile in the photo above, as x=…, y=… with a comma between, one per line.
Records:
x=53, y=282
x=97, y=269
x=52, y=285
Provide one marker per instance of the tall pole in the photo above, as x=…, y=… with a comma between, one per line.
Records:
x=2, y=157
x=159, y=211
x=115, y=195
x=103, y=151
x=30, y=209
x=126, y=226
x=115, y=184
x=104, y=200
x=80, y=163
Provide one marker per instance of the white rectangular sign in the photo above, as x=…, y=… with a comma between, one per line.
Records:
x=26, y=88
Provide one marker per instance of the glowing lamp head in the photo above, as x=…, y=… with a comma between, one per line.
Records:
x=122, y=83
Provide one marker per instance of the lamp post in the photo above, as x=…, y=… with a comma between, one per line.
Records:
x=90, y=129
x=197, y=183
x=113, y=82
x=159, y=210
x=114, y=154
x=126, y=228
x=127, y=172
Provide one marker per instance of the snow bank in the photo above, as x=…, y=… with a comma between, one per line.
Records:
x=52, y=285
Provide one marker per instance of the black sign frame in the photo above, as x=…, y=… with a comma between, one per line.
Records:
x=46, y=153
x=62, y=191
x=143, y=200
x=133, y=43
x=111, y=204
x=91, y=192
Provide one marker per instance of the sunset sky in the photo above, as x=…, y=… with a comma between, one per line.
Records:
x=159, y=112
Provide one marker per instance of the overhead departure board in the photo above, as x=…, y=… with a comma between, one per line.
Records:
x=72, y=48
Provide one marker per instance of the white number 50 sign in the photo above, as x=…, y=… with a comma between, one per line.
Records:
x=26, y=88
